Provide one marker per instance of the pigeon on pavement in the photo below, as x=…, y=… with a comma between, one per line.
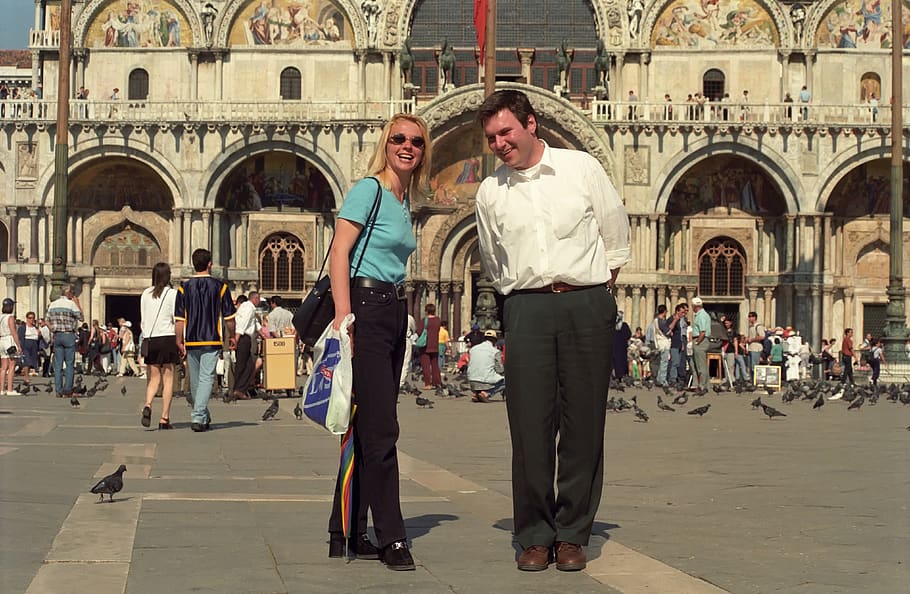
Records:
x=423, y=402
x=123, y=390
x=664, y=406
x=49, y=388
x=771, y=411
x=74, y=402
x=681, y=399
x=858, y=403
x=271, y=411
x=701, y=410
x=757, y=402
x=112, y=483
x=819, y=402
x=641, y=415
x=298, y=412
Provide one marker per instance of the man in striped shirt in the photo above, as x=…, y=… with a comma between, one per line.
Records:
x=202, y=307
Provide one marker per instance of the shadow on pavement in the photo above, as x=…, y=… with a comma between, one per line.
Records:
x=421, y=525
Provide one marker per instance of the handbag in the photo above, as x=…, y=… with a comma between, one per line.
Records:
x=421, y=341
x=144, y=345
x=318, y=308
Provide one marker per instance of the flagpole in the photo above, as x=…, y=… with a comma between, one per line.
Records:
x=489, y=43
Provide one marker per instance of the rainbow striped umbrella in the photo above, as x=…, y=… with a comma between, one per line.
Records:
x=347, y=475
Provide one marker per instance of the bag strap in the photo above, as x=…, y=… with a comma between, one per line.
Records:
x=371, y=218
x=160, y=305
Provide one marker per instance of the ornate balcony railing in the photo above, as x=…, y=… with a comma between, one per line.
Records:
x=259, y=112
x=39, y=38
x=601, y=112
x=720, y=113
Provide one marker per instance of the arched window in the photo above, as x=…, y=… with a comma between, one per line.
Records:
x=713, y=84
x=721, y=268
x=139, y=85
x=290, y=84
x=281, y=264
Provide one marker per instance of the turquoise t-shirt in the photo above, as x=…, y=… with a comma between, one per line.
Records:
x=392, y=241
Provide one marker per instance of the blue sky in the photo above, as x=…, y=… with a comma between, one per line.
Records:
x=18, y=17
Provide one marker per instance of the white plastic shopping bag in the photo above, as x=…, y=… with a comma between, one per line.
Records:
x=327, y=394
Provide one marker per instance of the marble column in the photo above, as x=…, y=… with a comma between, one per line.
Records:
x=652, y=258
x=662, y=242
x=443, y=311
x=216, y=235
x=621, y=299
x=387, y=69
x=849, y=313
x=79, y=256
x=615, y=90
x=818, y=255
x=187, y=237
x=70, y=237
x=827, y=243
x=758, y=245
x=674, y=299
x=36, y=70
x=816, y=331
x=784, y=74
x=768, y=315
x=87, y=302
x=753, y=300
x=206, y=229
x=643, y=77
x=799, y=246
x=810, y=59
x=244, y=240
x=650, y=305
x=219, y=76
x=827, y=313
x=635, y=319
x=175, y=251
x=839, y=249
x=39, y=21
x=13, y=254
x=789, y=238
x=457, y=290
x=33, y=295
x=33, y=235
x=684, y=250
x=526, y=57
x=361, y=57
x=194, y=74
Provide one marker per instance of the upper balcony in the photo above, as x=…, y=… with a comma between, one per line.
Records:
x=41, y=38
x=614, y=114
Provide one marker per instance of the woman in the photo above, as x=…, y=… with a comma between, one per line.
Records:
x=28, y=338
x=741, y=354
x=9, y=338
x=127, y=349
x=93, y=355
x=429, y=355
x=157, y=310
x=377, y=299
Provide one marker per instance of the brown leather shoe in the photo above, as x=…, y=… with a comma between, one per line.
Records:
x=534, y=558
x=570, y=557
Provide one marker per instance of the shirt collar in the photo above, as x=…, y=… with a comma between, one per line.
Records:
x=545, y=165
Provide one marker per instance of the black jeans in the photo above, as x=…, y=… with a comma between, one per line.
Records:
x=846, y=363
x=379, y=335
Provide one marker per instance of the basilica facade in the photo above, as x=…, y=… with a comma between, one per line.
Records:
x=750, y=140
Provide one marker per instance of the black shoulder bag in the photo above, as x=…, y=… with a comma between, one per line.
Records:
x=318, y=308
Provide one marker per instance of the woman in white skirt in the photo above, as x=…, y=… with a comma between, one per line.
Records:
x=10, y=348
x=157, y=308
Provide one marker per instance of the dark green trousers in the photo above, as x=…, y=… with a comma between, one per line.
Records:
x=558, y=360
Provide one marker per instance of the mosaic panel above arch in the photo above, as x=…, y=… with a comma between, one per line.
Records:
x=727, y=182
x=137, y=24
x=116, y=182
x=860, y=24
x=290, y=23
x=275, y=179
x=866, y=190
x=707, y=24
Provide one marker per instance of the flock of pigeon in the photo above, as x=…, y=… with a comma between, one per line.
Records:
x=818, y=392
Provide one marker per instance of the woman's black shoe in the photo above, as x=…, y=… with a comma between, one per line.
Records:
x=361, y=547
x=336, y=545
x=397, y=557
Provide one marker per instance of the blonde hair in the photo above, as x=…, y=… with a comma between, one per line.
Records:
x=420, y=176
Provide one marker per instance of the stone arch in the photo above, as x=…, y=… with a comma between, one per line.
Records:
x=458, y=227
x=142, y=153
x=94, y=7
x=772, y=163
x=235, y=154
x=559, y=118
x=228, y=15
x=783, y=26
x=841, y=165
x=102, y=225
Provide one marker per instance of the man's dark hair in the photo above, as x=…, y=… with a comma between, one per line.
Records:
x=752, y=314
x=201, y=259
x=681, y=306
x=241, y=299
x=275, y=300
x=515, y=101
x=430, y=308
x=661, y=309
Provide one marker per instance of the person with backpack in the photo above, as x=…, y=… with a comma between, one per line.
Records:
x=755, y=337
x=658, y=338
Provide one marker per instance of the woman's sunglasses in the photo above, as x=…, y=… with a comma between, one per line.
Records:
x=416, y=141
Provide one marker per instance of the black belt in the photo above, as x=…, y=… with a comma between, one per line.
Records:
x=363, y=282
x=555, y=288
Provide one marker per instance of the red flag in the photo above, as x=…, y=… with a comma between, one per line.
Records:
x=480, y=24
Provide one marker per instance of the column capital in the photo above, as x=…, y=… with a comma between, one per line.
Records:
x=525, y=55
x=458, y=287
x=33, y=211
x=646, y=58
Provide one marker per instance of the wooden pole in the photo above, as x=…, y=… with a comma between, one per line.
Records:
x=61, y=151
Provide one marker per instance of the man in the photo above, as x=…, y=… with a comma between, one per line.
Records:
x=202, y=303
x=804, y=98
x=847, y=356
x=248, y=362
x=485, y=368
x=280, y=319
x=658, y=336
x=678, y=341
x=63, y=317
x=701, y=332
x=755, y=337
x=475, y=336
x=44, y=346
x=553, y=235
